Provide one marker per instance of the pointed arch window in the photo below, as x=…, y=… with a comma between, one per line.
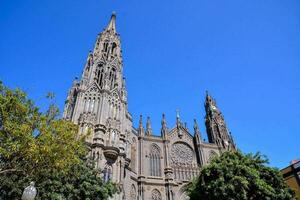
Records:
x=155, y=165
x=105, y=46
x=113, y=47
x=133, y=193
x=100, y=74
x=112, y=77
x=155, y=195
x=212, y=155
x=107, y=173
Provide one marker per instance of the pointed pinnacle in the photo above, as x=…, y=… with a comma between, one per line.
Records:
x=163, y=121
x=112, y=23
x=196, y=128
x=148, y=127
x=141, y=121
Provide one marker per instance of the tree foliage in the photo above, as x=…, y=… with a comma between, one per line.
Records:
x=30, y=140
x=234, y=176
x=40, y=147
x=83, y=183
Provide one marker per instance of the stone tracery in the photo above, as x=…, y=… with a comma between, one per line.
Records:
x=181, y=154
x=183, y=164
x=155, y=195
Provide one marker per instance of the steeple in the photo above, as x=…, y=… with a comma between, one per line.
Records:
x=216, y=127
x=148, y=127
x=99, y=100
x=108, y=45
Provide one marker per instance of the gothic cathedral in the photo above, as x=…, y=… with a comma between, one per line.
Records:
x=144, y=165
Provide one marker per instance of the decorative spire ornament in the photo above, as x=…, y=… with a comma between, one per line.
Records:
x=148, y=127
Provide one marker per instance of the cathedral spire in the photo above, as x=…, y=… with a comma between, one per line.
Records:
x=112, y=23
x=148, y=127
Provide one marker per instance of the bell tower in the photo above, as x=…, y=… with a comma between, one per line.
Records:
x=216, y=127
x=98, y=104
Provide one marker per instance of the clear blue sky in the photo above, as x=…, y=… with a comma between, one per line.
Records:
x=246, y=53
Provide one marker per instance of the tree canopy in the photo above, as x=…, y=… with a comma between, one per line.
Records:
x=40, y=147
x=234, y=176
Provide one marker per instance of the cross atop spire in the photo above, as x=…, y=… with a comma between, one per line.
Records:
x=112, y=23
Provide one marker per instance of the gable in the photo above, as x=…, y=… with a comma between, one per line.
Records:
x=93, y=88
x=177, y=134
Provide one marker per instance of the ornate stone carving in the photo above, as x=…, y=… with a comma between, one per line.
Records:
x=87, y=118
x=113, y=123
x=93, y=89
x=155, y=195
x=181, y=154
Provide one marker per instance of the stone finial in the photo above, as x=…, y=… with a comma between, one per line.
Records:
x=197, y=133
x=196, y=127
x=148, y=127
x=141, y=121
x=163, y=126
x=141, y=128
x=177, y=114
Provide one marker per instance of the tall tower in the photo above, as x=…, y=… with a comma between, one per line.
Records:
x=215, y=125
x=98, y=104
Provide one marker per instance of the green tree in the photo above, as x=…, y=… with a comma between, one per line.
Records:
x=30, y=140
x=40, y=147
x=234, y=176
x=81, y=182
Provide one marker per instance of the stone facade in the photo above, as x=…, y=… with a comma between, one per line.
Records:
x=144, y=165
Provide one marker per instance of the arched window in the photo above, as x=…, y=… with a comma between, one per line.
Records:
x=212, y=154
x=132, y=193
x=100, y=74
x=133, y=155
x=92, y=105
x=105, y=46
x=155, y=168
x=107, y=173
x=113, y=48
x=112, y=77
x=155, y=195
